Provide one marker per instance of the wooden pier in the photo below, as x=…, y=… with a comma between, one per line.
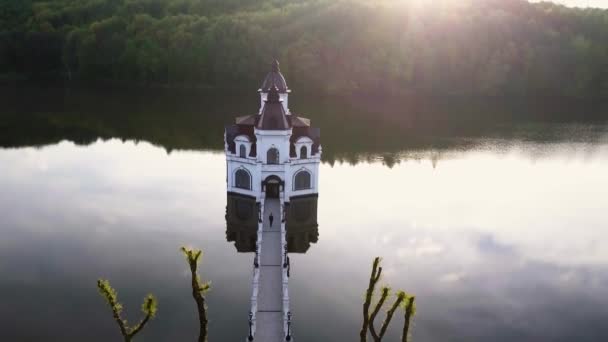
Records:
x=270, y=316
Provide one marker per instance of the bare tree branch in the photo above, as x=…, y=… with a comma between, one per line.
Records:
x=390, y=313
x=149, y=308
x=410, y=311
x=373, y=280
x=198, y=290
x=372, y=329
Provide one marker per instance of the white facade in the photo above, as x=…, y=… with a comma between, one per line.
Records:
x=259, y=169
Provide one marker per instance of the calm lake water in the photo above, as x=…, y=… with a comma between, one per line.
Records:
x=500, y=232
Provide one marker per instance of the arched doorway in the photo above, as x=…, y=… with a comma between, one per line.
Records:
x=273, y=186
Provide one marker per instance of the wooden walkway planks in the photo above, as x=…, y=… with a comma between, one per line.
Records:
x=269, y=316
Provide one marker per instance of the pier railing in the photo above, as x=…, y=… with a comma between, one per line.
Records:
x=256, y=278
x=285, y=270
x=285, y=279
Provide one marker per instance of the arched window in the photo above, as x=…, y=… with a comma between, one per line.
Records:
x=242, y=179
x=243, y=151
x=303, y=152
x=272, y=156
x=302, y=180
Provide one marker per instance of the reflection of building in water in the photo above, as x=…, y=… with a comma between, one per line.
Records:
x=302, y=227
x=272, y=175
x=242, y=223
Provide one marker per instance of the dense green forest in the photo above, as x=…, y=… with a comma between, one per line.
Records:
x=451, y=47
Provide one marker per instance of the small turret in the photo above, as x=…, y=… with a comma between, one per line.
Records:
x=273, y=115
x=274, y=79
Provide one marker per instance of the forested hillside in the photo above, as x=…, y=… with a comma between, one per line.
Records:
x=464, y=47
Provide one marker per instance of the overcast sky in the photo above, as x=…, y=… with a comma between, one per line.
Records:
x=581, y=3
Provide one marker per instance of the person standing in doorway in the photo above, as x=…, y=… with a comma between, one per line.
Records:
x=271, y=218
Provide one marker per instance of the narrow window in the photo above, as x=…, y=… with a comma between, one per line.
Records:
x=303, y=152
x=243, y=151
x=272, y=157
x=302, y=180
x=242, y=179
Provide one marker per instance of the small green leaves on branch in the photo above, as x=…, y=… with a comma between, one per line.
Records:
x=373, y=280
x=198, y=289
x=389, y=316
x=401, y=299
x=149, y=308
x=410, y=311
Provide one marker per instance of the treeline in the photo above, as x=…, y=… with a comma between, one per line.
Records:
x=447, y=47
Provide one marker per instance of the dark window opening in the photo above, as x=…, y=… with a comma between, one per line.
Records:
x=272, y=156
x=302, y=180
x=242, y=179
x=303, y=152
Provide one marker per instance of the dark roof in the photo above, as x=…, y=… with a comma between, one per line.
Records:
x=312, y=132
x=273, y=114
x=233, y=131
x=298, y=121
x=246, y=120
x=274, y=79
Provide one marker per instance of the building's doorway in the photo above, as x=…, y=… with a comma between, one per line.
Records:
x=272, y=189
x=273, y=185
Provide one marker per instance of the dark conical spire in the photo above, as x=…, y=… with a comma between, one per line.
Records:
x=275, y=66
x=274, y=79
x=273, y=114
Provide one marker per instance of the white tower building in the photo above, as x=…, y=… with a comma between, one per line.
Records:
x=272, y=166
x=275, y=153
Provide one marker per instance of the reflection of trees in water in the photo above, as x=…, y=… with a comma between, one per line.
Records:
x=535, y=141
x=175, y=121
x=360, y=131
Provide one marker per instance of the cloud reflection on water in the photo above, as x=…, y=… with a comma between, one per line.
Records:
x=497, y=243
